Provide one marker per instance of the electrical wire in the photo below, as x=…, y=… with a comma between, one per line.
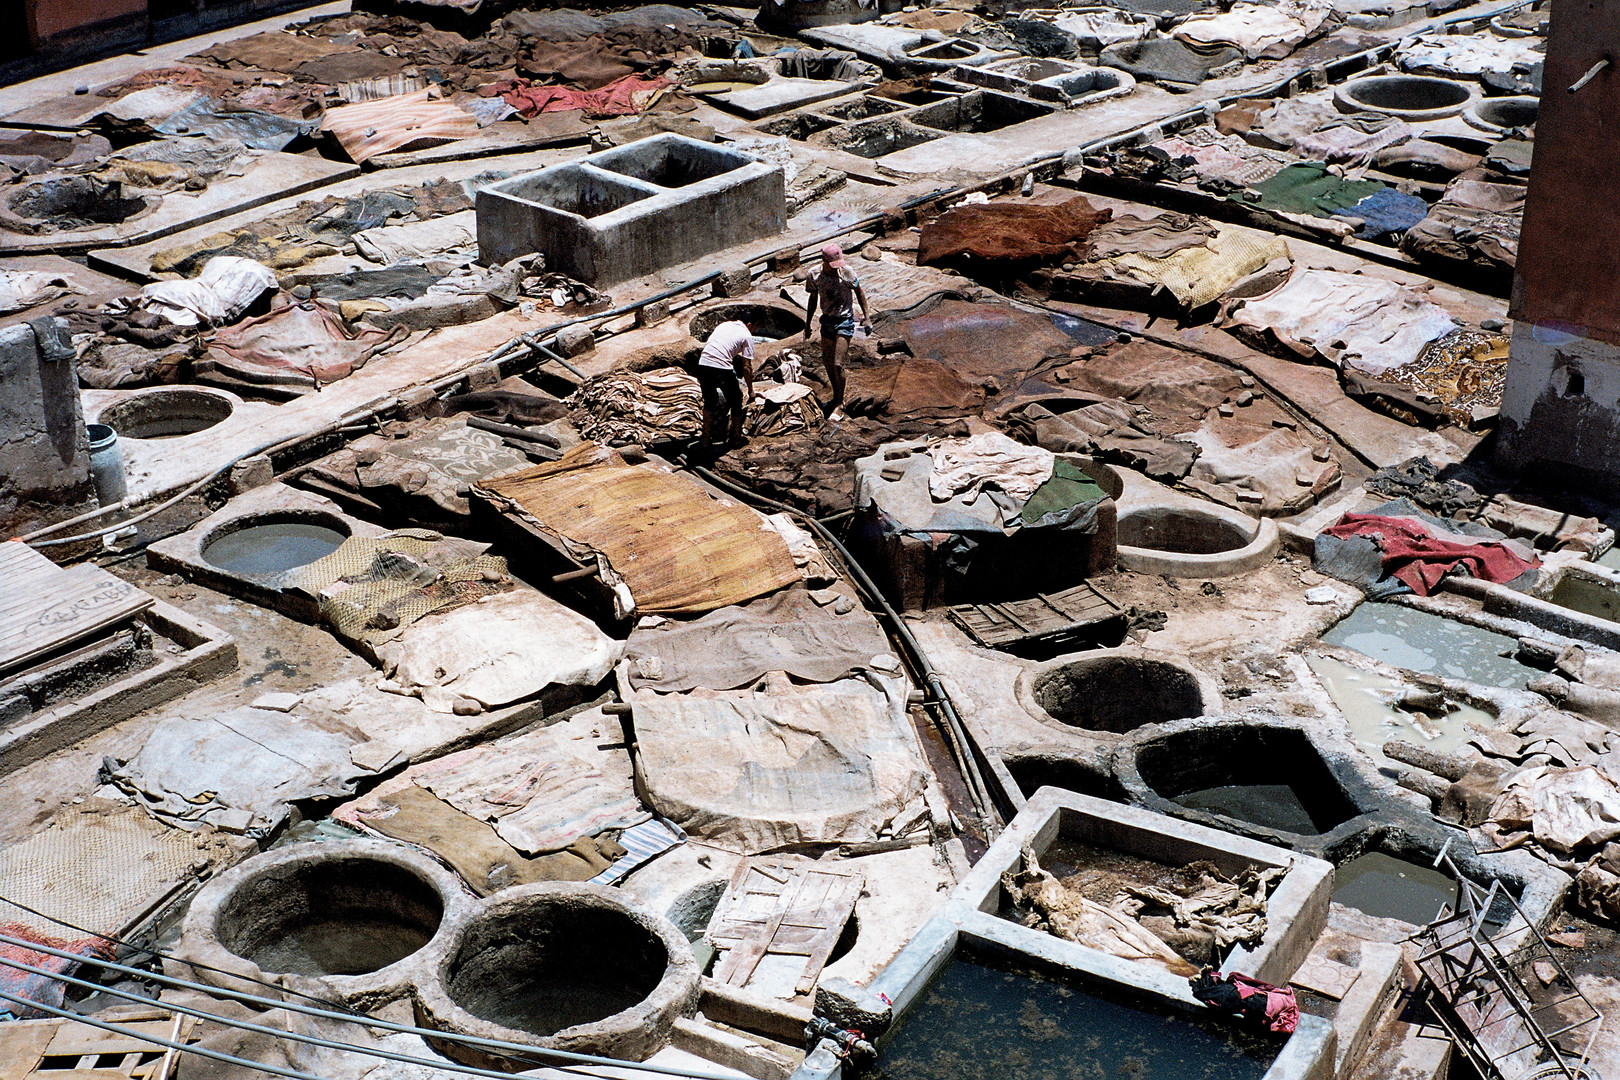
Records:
x=535, y=1054
x=159, y=954
x=518, y=1049
x=158, y=1040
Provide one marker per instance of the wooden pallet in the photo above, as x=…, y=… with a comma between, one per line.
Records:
x=60, y=1049
x=1045, y=623
x=784, y=907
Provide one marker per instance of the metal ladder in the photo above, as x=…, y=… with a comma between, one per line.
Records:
x=1476, y=976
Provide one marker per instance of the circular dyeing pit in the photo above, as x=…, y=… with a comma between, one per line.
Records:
x=1116, y=693
x=261, y=545
x=351, y=914
x=1501, y=114
x=564, y=966
x=1410, y=97
x=771, y=322
x=166, y=414
x=1186, y=541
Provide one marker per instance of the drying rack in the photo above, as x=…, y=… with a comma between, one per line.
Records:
x=1478, y=970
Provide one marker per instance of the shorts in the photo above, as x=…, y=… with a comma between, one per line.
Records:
x=838, y=326
x=721, y=389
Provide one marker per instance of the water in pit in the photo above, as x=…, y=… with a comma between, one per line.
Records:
x=1388, y=888
x=272, y=548
x=1363, y=697
x=1610, y=558
x=1271, y=806
x=1588, y=596
x=347, y=946
x=980, y=1020
x=1418, y=641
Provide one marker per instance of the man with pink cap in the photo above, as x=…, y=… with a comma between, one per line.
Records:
x=836, y=289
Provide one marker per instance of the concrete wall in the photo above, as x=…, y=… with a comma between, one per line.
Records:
x=44, y=452
x=1561, y=404
x=632, y=210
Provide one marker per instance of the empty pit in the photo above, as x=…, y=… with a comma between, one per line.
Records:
x=1503, y=114
x=566, y=966
x=273, y=543
x=979, y=112
x=862, y=108
x=1183, y=531
x=1271, y=777
x=347, y=916
x=670, y=163
x=798, y=127
x=1116, y=693
x=574, y=189
x=1032, y=774
x=1187, y=541
x=355, y=914
x=876, y=138
x=1410, y=97
x=944, y=50
x=166, y=414
x=769, y=321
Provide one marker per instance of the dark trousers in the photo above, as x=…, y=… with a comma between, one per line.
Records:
x=722, y=401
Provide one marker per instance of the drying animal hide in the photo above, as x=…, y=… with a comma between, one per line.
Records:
x=1064, y=913
x=1234, y=912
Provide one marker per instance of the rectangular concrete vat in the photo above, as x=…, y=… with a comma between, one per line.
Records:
x=1307, y=1054
x=632, y=210
x=1296, y=910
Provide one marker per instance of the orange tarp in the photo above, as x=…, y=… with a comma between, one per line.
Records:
x=678, y=548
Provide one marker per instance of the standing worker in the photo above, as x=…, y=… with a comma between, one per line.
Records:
x=728, y=356
x=837, y=289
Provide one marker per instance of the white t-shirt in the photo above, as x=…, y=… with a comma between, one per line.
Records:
x=729, y=341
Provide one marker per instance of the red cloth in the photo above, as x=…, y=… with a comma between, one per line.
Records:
x=41, y=989
x=1419, y=559
x=1282, y=1008
x=617, y=98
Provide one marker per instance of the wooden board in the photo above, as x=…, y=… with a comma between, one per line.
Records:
x=44, y=607
x=786, y=908
x=60, y=1049
x=1064, y=618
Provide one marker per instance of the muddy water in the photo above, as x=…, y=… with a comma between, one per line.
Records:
x=1363, y=697
x=272, y=549
x=1418, y=641
x=1390, y=888
x=1271, y=806
x=979, y=1021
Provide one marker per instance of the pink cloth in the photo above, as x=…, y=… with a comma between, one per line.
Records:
x=1419, y=559
x=621, y=97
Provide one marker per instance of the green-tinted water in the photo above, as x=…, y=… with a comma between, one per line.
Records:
x=1418, y=641
x=984, y=1022
x=1390, y=888
x=274, y=548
